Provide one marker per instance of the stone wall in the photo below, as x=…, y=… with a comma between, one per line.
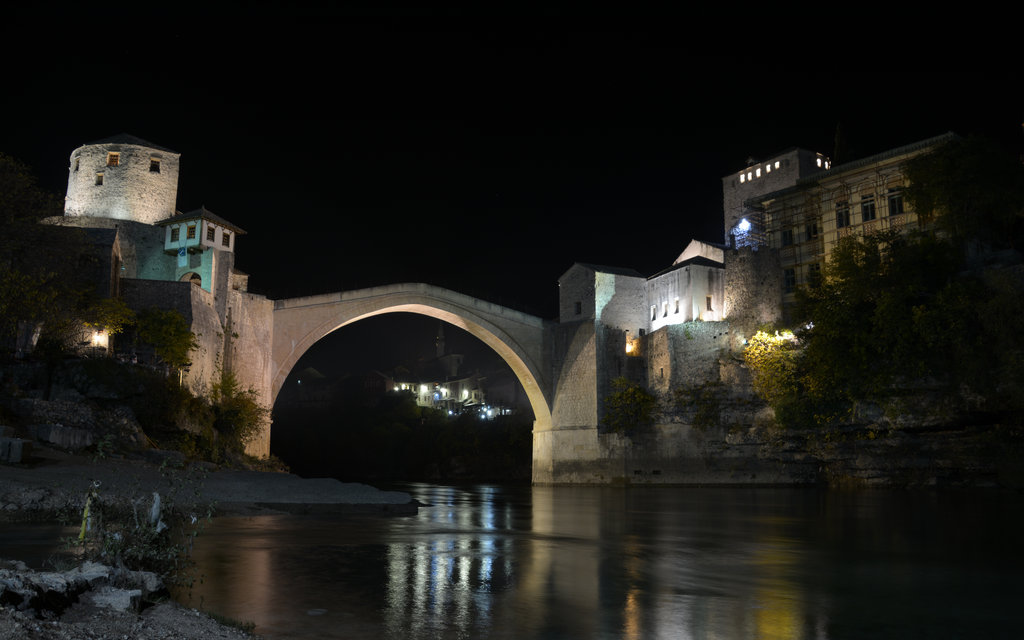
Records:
x=130, y=190
x=753, y=291
x=684, y=355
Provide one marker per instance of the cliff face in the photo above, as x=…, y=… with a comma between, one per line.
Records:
x=719, y=432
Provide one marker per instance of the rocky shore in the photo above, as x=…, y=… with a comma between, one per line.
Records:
x=95, y=601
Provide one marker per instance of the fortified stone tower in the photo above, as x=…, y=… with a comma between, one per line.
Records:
x=124, y=178
x=744, y=226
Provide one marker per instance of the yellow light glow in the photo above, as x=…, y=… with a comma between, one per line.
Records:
x=99, y=338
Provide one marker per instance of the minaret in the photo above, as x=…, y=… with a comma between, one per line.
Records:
x=124, y=178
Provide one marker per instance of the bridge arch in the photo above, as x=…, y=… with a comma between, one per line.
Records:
x=518, y=338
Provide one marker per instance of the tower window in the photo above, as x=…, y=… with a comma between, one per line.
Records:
x=226, y=239
x=654, y=312
x=579, y=308
x=77, y=160
x=190, y=233
x=211, y=232
x=99, y=178
x=664, y=309
x=710, y=308
x=175, y=234
x=677, y=305
x=113, y=159
x=154, y=165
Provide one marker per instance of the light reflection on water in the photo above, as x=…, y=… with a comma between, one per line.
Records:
x=570, y=562
x=573, y=562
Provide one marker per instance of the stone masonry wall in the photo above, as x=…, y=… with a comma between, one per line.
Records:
x=129, y=191
x=753, y=291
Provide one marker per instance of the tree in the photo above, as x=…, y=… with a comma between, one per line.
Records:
x=629, y=408
x=168, y=333
x=238, y=415
x=972, y=190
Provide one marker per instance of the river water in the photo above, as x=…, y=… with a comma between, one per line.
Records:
x=585, y=562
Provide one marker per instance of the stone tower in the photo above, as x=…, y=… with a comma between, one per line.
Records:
x=124, y=178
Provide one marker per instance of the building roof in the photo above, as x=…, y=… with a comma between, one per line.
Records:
x=853, y=165
x=201, y=213
x=125, y=138
x=620, y=271
x=699, y=261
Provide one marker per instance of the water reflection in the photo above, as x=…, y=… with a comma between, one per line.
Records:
x=492, y=562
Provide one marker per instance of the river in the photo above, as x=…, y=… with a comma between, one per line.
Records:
x=583, y=562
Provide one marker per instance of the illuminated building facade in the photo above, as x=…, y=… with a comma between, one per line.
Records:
x=804, y=221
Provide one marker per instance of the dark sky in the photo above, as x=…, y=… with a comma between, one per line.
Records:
x=482, y=155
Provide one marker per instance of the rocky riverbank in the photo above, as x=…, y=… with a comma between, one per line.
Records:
x=94, y=601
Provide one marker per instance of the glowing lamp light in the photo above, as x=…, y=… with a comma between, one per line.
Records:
x=744, y=225
x=99, y=338
x=629, y=347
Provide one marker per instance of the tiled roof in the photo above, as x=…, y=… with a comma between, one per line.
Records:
x=204, y=214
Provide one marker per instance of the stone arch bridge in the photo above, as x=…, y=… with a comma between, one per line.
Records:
x=519, y=338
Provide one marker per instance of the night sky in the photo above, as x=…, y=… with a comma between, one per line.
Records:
x=481, y=155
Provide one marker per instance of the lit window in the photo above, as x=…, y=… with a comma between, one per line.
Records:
x=867, y=208
x=749, y=175
x=776, y=164
x=226, y=239
x=895, y=202
x=175, y=233
x=113, y=159
x=99, y=178
x=768, y=168
x=154, y=165
x=190, y=233
x=827, y=164
x=757, y=173
x=743, y=178
x=819, y=162
x=211, y=232
x=842, y=214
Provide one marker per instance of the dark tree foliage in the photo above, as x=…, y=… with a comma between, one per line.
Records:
x=167, y=331
x=629, y=408
x=42, y=280
x=972, y=190
x=390, y=437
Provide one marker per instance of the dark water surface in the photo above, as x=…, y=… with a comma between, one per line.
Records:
x=566, y=562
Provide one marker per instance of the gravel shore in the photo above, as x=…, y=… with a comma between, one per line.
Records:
x=52, y=480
